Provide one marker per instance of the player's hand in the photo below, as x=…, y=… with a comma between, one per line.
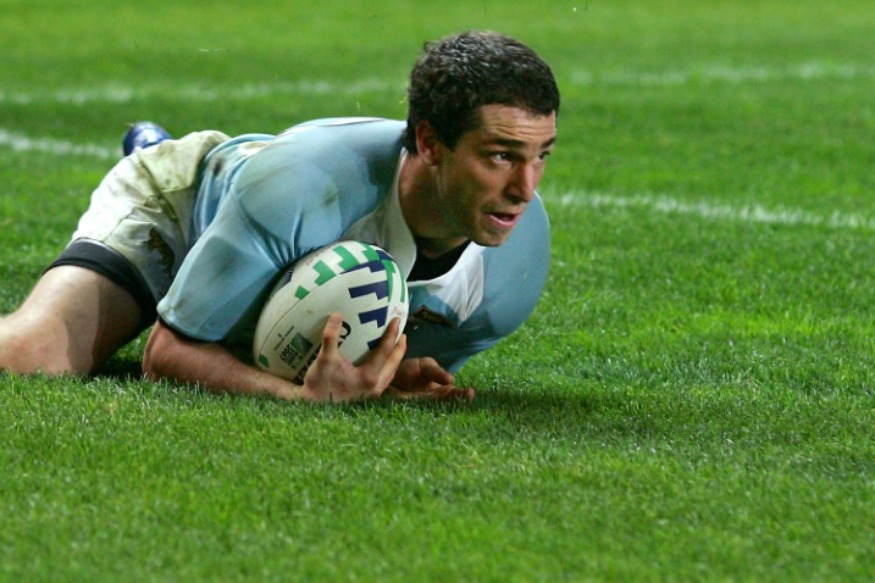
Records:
x=332, y=378
x=424, y=378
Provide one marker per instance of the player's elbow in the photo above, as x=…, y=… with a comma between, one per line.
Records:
x=155, y=356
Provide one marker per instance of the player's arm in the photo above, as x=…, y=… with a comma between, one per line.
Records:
x=331, y=378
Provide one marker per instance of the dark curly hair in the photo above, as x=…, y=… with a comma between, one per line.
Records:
x=457, y=75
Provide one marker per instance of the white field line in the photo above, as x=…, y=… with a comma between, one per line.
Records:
x=115, y=93
x=721, y=212
x=659, y=203
x=803, y=72
x=812, y=71
x=21, y=143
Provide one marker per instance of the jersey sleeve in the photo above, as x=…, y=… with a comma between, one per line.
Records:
x=296, y=194
x=272, y=215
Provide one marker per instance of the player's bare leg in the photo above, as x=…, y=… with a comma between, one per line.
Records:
x=72, y=322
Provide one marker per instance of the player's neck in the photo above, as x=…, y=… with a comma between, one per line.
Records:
x=434, y=248
x=420, y=205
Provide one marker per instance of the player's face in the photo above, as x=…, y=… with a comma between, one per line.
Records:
x=489, y=178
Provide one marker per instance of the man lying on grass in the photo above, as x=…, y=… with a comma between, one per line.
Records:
x=196, y=231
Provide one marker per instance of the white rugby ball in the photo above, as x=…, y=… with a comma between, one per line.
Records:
x=360, y=281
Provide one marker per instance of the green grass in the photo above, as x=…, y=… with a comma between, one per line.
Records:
x=693, y=399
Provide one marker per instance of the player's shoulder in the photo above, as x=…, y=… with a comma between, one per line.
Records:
x=344, y=122
x=517, y=270
x=332, y=145
x=335, y=146
x=331, y=168
x=530, y=238
x=368, y=129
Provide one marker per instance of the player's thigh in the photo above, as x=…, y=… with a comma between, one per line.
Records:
x=143, y=207
x=72, y=322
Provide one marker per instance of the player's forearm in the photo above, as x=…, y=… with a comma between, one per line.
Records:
x=171, y=356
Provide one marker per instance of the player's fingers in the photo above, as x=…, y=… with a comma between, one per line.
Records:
x=453, y=393
x=386, y=358
x=466, y=394
x=387, y=344
x=397, y=354
x=431, y=371
x=441, y=393
x=391, y=333
x=331, y=336
x=385, y=368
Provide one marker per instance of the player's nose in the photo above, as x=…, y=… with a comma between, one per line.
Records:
x=524, y=182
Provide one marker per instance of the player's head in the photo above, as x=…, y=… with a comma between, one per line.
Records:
x=458, y=74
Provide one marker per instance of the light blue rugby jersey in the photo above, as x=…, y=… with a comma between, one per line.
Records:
x=266, y=201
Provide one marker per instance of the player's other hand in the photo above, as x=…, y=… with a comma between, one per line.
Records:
x=424, y=378
x=332, y=378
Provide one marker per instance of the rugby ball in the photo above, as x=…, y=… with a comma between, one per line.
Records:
x=360, y=281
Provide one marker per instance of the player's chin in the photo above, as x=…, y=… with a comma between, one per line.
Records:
x=491, y=237
x=496, y=228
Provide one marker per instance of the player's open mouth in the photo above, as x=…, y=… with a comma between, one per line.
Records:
x=505, y=220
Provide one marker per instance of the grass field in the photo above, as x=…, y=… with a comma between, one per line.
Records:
x=693, y=399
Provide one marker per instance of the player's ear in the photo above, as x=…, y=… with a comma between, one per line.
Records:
x=428, y=145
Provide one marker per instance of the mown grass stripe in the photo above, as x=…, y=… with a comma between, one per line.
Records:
x=707, y=73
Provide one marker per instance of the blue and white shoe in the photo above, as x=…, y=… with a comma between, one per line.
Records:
x=142, y=135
